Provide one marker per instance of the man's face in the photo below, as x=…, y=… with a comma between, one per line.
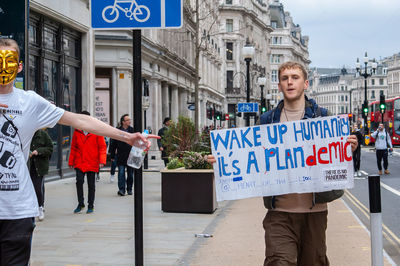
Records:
x=127, y=121
x=380, y=127
x=9, y=66
x=292, y=84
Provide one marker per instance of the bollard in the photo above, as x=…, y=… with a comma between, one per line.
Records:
x=374, y=187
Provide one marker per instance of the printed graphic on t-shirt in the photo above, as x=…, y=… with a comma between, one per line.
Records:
x=10, y=150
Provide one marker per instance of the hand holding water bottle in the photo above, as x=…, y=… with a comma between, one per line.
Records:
x=139, y=148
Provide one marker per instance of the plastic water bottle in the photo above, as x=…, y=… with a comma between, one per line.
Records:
x=137, y=153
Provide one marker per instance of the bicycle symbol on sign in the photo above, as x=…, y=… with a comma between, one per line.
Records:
x=141, y=13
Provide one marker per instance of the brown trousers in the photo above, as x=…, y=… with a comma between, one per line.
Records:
x=295, y=239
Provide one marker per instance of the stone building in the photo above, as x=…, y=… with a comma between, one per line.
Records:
x=393, y=75
x=242, y=22
x=286, y=44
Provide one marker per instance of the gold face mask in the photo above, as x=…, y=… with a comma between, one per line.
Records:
x=8, y=66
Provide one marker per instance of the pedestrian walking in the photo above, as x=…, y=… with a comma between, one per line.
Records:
x=22, y=113
x=122, y=149
x=382, y=144
x=40, y=153
x=161, y=132
x=88, y=154
x=295, y=224
x=357, y=152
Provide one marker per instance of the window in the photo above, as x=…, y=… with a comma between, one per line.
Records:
x=229, y=25
x=229, y=51
x=380, y=81
x=276, y=40
x=228, y=2
x=274, y=24
x=229, y=79
x=372, y=81
x=276, y=58
x=274, y=75
x=55, y=74
x=372, y=94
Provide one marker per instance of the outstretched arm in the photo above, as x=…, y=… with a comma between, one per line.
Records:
x=95, y=126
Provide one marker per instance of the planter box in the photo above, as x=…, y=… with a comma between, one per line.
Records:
x=188, y=190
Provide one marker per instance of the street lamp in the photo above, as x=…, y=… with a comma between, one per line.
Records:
x=366, y=73
x=262, y=81
x=248, y=53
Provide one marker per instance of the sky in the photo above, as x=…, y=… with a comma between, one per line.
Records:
x=342, y=30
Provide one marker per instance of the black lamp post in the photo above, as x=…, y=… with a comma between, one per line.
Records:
x=366, y=73
x=248, y=53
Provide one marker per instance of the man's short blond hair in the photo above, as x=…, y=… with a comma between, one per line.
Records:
x=292, y=65
x=10, y=43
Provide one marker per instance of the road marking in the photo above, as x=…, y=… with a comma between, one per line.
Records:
x=364, y=173
x=387, y=233
x=390, y=189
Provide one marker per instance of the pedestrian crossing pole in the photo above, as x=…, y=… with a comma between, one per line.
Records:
x=374, y=187
x=137, y=121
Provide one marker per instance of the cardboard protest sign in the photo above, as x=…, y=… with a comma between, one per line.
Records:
x=309, y=155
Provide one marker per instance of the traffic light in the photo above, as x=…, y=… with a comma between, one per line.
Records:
x=382, y=104
x=365, y=109
x=263, y=106
x=226, y=117
x=350, y=117
x=218, y=115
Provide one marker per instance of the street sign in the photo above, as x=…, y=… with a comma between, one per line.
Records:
x=247, y=107
x=192, y=107
x=136, y=14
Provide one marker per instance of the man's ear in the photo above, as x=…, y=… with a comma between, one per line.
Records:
x=279, y=87
x=20, y=67
x=306, y=83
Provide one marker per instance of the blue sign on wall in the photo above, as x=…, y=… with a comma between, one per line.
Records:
x=247, y=107
x=136, y=14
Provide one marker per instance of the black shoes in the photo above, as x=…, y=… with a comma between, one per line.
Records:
x=120, y=193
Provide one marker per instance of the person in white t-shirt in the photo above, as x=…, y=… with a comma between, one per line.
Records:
x=21, y=114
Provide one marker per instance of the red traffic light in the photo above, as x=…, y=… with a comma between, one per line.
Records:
x=350, y=115
x=226, y=117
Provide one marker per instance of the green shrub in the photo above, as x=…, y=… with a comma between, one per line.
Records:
x=175, y=163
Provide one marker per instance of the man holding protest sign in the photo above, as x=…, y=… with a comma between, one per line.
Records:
x=295, y=224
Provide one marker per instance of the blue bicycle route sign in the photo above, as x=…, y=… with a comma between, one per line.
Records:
x=247, y=107
x=136, y=14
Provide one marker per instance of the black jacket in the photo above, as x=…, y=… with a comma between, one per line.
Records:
x=120, y=148
x=42, y=143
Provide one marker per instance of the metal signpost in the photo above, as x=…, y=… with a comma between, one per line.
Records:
x=137, y=15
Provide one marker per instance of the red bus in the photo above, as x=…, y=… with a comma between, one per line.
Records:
x=391, y=118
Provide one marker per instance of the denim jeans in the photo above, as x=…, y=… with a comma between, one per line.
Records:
x=113, y=165
x=121, y=178
x=80, y=179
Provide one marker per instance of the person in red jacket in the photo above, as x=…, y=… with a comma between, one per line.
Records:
x=88, y=154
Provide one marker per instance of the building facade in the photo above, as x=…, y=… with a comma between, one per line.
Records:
x=393, y=75
x=286, y=44
x=243, y=22
x=60, y=65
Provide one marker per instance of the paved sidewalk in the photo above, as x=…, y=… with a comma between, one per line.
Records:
x=106, y=236
x=239, y=238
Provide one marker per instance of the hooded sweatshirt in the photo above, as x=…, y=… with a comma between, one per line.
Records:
x=380, y=140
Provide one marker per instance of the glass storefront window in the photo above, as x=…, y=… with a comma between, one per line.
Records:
x=55, y=73
x=50, y=40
